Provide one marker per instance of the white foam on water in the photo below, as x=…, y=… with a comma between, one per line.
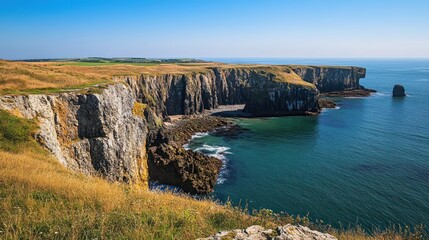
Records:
x=196, y=135
x=208, y=148
x=354, y=97
x=199, y=135
x=220, y=153
x=380, y=94
x=327, y=109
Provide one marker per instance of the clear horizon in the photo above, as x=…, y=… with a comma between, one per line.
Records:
x=215, y=29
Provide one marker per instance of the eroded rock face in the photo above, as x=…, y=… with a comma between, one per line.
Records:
x=193, y=93
x=398, y=91
x=95, y=134
x=330, y=79
x=266, y=97
x=287, y=232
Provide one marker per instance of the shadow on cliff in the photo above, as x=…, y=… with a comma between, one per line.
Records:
x=90, y=127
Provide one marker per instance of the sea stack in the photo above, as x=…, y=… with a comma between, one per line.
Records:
x=398, y=91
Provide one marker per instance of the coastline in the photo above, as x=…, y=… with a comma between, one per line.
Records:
x=171, y=140
x=171, y=164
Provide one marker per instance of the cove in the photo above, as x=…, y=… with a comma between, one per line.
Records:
x=365, y=163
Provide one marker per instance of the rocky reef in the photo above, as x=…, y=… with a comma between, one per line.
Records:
x=119, y=132
x=287, y=232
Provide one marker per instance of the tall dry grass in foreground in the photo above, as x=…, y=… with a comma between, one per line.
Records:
x=40, y=199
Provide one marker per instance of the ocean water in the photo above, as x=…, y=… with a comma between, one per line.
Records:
x=365, y=163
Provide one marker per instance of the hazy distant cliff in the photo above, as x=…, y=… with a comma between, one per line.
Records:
x=106, y=133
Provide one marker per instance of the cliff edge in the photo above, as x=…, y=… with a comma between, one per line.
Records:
x=108, y=132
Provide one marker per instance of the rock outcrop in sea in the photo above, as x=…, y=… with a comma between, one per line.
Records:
x=398, y=91
x=109, y=134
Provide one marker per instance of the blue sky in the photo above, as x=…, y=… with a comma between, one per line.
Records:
x=214, y=28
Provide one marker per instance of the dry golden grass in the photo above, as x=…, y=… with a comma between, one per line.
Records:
x=41, y=199
x=46, y=77
x=277, y=73
x=139, y=109
x=18, y=76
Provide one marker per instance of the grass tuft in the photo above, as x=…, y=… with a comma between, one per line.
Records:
x=139, y=109
x=15, y=133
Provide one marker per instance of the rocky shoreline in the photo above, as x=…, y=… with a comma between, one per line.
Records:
x=361, y=92
x=170, y=163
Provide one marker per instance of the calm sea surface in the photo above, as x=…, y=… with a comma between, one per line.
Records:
x=366, y=162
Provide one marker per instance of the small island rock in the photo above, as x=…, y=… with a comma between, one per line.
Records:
x=398, y=91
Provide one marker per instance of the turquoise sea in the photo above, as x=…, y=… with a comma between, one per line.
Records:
x=365, y=163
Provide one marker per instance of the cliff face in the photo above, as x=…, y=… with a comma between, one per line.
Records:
x=95, y=134
x=108, y=134
x=271, y=98
x=330, y=79
x=193, y=93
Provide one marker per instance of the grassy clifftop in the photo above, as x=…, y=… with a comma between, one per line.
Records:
x=51, y=77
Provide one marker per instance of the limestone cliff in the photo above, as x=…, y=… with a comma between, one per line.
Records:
x=330, y=79
x=261, y=88
x=95, y=134
x=107, y=133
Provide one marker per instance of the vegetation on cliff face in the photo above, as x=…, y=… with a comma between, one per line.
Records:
x=15, y=132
